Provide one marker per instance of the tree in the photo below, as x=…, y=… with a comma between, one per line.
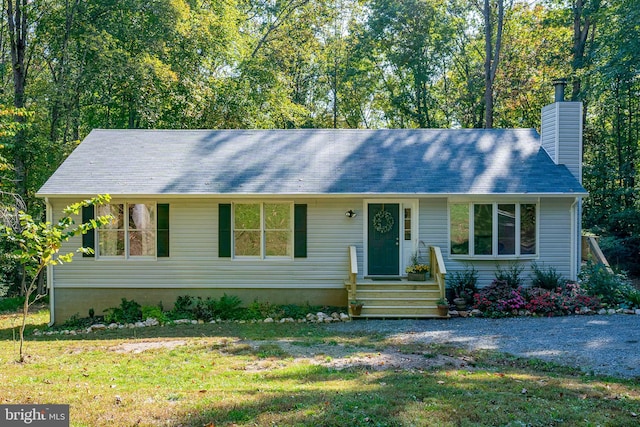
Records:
x=40, y=243
x=493, y=17
x=412, y=42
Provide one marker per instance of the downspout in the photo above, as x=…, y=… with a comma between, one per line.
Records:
x=52, y=319
x=576, y=252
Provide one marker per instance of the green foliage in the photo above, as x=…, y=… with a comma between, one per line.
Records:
x=510, y=275
x=546, y=278
x=153, y=312
x=613, y=289
x=76, y=322
x=464, y=283
x=127, y=312
x=182, y=308
x=632, y=296
x=11, y=304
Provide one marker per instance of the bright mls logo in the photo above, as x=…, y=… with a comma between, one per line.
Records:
x=34, y=415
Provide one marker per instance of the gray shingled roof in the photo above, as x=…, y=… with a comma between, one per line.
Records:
x=310, y=161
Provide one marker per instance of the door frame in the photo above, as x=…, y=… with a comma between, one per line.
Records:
x=406, y=247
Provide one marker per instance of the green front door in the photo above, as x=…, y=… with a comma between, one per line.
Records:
x=384, y=239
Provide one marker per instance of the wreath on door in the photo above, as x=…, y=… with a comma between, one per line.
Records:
x=383, y=221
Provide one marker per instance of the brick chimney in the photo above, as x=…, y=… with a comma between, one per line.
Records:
x=561, y=131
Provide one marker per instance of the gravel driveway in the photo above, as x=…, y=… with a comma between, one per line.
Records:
x=605, y=344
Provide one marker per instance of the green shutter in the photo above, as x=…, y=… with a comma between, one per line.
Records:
x=300, y=231
x=89, y=238
x=224, y=230
x=162, y=233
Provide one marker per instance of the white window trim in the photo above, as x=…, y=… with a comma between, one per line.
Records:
x=494, y=231
x=126, y=255
x=263, y=256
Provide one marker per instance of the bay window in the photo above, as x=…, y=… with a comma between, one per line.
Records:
x=493, y=229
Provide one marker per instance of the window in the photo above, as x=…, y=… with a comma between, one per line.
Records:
x=407, y=224
x=493, y=229
x=131, y=233
x=263, y=230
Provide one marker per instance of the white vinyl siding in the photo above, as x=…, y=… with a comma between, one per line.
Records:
x=194, y=261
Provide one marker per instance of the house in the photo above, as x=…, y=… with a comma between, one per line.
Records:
x=288, y=216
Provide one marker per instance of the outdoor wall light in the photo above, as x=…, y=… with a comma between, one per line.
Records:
x=351, y=213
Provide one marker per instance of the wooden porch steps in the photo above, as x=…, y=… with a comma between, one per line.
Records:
x=397, y=299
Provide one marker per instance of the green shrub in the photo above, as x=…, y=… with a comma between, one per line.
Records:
x=464, y=283
x=633, y=297
x=510, y=275
x=11, y=304
x=154, y=312
x=228, y=307
x=182, y=308
x=262, y=310
x=611, y=288
x=127, y=312
x=546, y=278
x=76, y=322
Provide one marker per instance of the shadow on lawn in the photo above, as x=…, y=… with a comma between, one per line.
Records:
x=356, y=397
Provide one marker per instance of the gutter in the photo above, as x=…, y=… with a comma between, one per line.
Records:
x=49, y=218
x=576, y=237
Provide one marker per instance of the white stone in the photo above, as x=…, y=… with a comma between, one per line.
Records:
x=268, y=320
x=72, y=332
x=37, y=333
x=139, y=325
x=181, y=321
x=344, y=317
x=151, y=322
x=611, y=311
x=194, y=322
x=328, y=320
x=585, y=310
x=213, y=321
x=97, y=327
x=629, y=311
x=637, y=310
x=283, y=320
x=476, y=312
x=335, y=315
x=602, y=311
x=302, y=320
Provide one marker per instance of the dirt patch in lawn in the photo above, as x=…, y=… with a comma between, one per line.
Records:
x=141, y=346
x=340, y=357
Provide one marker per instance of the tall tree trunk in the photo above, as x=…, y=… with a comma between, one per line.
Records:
x=18, y=30
x=583, y=25
x=492, y=56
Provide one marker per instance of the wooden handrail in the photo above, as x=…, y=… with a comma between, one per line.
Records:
x=596, y=252
x=353, y=264
x=438, y=269
x=353, y=273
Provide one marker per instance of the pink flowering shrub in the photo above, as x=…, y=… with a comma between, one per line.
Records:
x=499, y=299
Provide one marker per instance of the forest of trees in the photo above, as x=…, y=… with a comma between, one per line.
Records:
x=68, y=66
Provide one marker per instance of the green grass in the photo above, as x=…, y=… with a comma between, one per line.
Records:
x=242, y=375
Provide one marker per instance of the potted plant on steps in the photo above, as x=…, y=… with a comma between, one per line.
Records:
x=443, y=307
x=417, y=271
x=355, y=307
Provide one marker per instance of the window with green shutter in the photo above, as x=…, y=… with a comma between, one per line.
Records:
x=262, y=230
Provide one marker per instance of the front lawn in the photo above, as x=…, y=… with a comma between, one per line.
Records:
x=295, y=374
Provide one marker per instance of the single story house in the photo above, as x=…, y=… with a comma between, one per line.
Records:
x=287, y=216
